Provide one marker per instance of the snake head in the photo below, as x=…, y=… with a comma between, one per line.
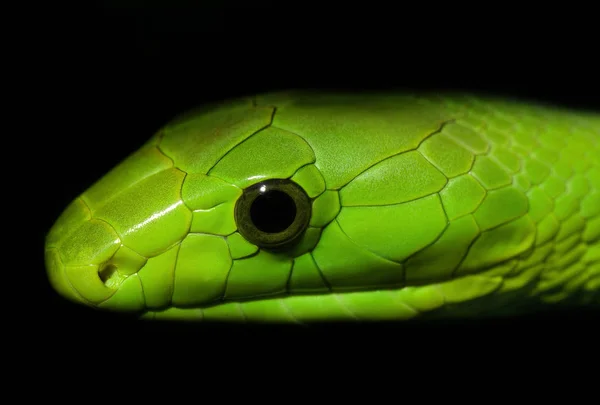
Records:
x=399, y=207
x=173, y=226
x=116, y=245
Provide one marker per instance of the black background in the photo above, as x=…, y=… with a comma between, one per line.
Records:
x=119, y=70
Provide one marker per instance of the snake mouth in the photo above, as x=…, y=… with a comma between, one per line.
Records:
x=392, y=304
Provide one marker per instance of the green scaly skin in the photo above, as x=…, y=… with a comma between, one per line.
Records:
x=422, y=207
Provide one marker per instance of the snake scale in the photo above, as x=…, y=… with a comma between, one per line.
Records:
x=317, y=206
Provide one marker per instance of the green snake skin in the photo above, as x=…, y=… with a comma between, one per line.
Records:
x=422, y=206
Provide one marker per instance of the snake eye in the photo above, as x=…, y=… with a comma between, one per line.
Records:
x=273, y=213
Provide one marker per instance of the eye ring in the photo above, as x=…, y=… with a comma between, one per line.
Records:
x=273, y=214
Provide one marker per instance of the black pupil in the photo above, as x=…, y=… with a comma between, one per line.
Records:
x=273, y=211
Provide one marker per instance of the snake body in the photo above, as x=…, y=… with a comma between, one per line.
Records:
x=420, y=206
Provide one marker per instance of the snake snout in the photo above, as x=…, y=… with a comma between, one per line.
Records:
x=85, y=259
x=88, y=262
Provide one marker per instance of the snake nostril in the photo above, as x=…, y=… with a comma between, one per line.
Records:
x=109, y=275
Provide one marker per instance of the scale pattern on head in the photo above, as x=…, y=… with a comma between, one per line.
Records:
x=418, y=205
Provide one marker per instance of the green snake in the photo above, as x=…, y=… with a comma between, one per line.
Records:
x=321, y=206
